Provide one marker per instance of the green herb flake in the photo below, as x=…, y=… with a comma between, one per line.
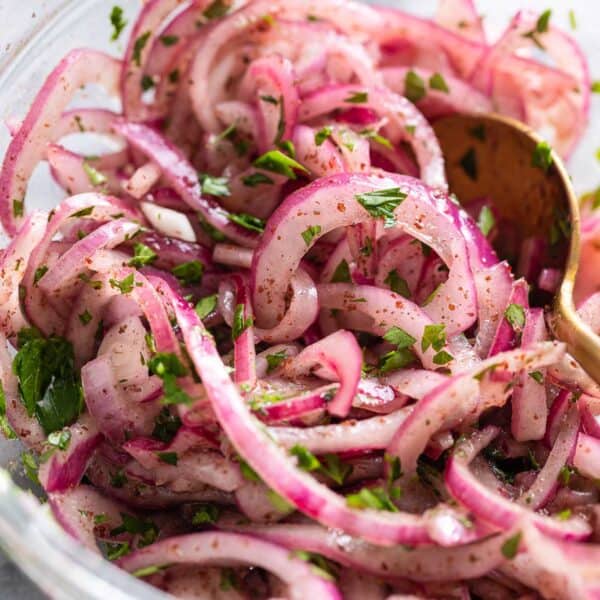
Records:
x=277, y=162
x=147, y=571
x=537, y=376
x=270, y=100
x=394, y=469
x=18, y=208
x=442, y=358
x=85, y=317
x=565, y=474
x=206, y=306
x=248, y=221
x=309, y=234
x=84, y=212
x=397, y=359
x=434, y=336
x=306, y=460
x=142, y=255
x=357, y=98
x=166, y=426
x=169, y=40
x=170, y=458
x=240, y=323
x=206, y=514
x=595, y=87
x=541, y=26
x=146, y=83
x=30, y=466
x=397, y=284
x=146, y=529
x=117, y=21
x=248, y=473
x=168, y=367
x=115, y=550
x=173, y=76
x=469, y=163
x=255, y=179
x=334, y=468
x=39, y=273
x=275, y=360
x=216, y=10
x=189, y=272
x=542, y=156
x=515, y=315
x=572, y=19
x=371, y=134
x=373, y=498
x=382, y=204
x=5, y=427
x=125, y=286
x=399, y=338
x=95, y=177
x=214, y=186
x=322, y=135
x=342, y=273
x=437, y=82
x=564, y=515
x=511, y=546
x=139, y=46
x=486, y=220
x=228, y=580
x=60, y=439
x=414, y=87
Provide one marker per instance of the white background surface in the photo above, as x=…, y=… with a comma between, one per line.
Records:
x=19, y=18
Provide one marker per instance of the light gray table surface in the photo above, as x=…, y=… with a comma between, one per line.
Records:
x=19, y=17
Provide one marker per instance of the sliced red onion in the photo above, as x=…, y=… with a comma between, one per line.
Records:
x=232, y=549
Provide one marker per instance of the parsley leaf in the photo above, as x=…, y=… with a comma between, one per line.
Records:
x=146, y=529
x=397, y=284
x=374, y=498
x=399, y=338
x=342, y=273
x=309, y=233
x=542, y=156
x=85, y=317
x=168, y=367
x=117, y=21
x=335, y=468
x=206, y=306
x=18, y=207
x=96, y=177
x=214, y=186
x=248, y=221
x=255, y=179
x=414, y=87
x=206, y=514
x=357, y=98
x=277, y=162
x=307, y=461
x=217, y=9
x=541, y=26
x=142, y=255
x=49, y=385
x=166, y=426
x=125, y=285
x=537, y=376
x=139, y=46
x=371, y=134
x=437, y=82
x=515, y=315
x=170, y=458
x=382, y=204
x=442, y=358
x=169, y=40
x=240, y=324
x=322, y=135
x=434, y=336
x=397, y=359
x=189, y=272
x=486, y=220
x=39, y=273
x=274, y=360
x=5, y=427
x=511, y=546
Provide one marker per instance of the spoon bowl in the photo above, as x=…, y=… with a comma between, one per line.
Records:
x=499, y=160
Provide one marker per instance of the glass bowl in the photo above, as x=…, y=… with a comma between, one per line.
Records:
x=40, y=34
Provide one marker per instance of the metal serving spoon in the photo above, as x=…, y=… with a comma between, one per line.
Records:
x=493, y=156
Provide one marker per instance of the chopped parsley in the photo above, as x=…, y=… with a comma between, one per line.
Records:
x=270, y=100
x=434, y=336
x=125, y=286
x=85, y=317
x=217, y=9
x=541, y=26
x=206, y=514
x=397, y=284
x=399, y=338
x=170, y=458
x=572, y=19
x=515, y=315
x=511, y=546
x=437, y=82
x=18, y=207
x=542, y=156
x=240, y=323
x=169, y=40
x=39, y=273
x=275, y=360
x=115, y=550
x=382, y=204
x=189, y=272
x=206, y=306
x=375, y=498
x=248, y=221
x=255, y=179
x=117, y=21
x=371, y=134
x=139, y=46
x=166, y=426
x=486, y=220
x=442, y=358
x=537, y=376
x=95, y=177
x=357, y=98
x=49, y=384
x=595, y=87
x=142, y=255
x=414, y=86
x=397, y=359
x=277, y=162
x=214, y=186
x=168, y=367
x=147, y=83
x=60, y=439
x=30, y=466
x=5, y=427
x=306, y=460
x=146, y=529
x=342, y=273
x=335, y=468
x=309, y=233
x=322, y=135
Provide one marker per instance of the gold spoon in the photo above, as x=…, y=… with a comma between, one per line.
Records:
x=492, y=156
